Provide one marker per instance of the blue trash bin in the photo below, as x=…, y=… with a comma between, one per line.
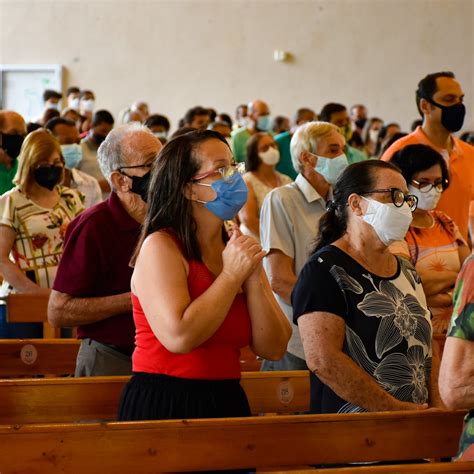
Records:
x=18, y=330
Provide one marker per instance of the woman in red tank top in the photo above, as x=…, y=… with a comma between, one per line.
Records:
x=198, y=296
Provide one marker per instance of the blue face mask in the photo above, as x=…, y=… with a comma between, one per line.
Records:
x=264, y=123
x=331, y=168
x=231, y=195
x=72, y=155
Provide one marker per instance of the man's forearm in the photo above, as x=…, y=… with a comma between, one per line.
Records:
x=67, y=311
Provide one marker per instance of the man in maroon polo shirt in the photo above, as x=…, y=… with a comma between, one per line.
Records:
x=92, y=285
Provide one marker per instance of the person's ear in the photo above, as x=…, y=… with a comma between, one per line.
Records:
x=307, y=159
x=189, y=192
x=357, y=204
x=120, y=182
x=425, y=106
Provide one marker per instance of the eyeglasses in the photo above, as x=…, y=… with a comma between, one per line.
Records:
x=398, y=197
x=427, y=187
x=148, y=165
x=226, y=172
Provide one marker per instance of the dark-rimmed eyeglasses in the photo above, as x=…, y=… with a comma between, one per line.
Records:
x=398, y=197
x=148, y=165
x=226, y=172
x=427, y=187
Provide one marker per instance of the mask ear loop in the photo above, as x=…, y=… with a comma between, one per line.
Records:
x=203, y=184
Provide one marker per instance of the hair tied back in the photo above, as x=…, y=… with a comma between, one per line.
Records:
x=331, y=206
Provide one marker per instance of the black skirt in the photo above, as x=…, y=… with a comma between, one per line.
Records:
x=163, y=397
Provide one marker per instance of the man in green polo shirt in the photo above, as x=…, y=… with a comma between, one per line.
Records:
x=283, y=140
x=12, y=134
x=258, y=120
x=337, y=115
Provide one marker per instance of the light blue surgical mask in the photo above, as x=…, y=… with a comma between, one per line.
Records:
x=264, y=123
x=331, y=168
x=72, y=155
x=231, y=195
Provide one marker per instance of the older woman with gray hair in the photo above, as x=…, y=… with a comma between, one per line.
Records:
x=92, y=286
x=289, y=219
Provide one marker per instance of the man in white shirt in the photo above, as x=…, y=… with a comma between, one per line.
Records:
x=289, y=221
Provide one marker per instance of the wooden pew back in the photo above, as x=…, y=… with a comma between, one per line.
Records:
x=37, y=356
x=30, y=308
x=97, y=398
x=189, y=445
x=56, y=356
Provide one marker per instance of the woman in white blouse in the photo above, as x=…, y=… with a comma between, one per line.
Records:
x=34, y=217
x=261, y=178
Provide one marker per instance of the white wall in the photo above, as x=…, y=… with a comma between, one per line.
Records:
x=176, y=54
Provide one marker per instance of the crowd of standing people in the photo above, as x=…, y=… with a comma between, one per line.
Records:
x=342, y=248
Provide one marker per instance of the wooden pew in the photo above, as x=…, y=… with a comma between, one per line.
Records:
x=380, y=469
x=20, y=357
x=96, y=398
x=190, y=445
x=30, y=308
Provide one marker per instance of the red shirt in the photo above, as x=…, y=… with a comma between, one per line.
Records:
x=95, y=262
x=217, y=358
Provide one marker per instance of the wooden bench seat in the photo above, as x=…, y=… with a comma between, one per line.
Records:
x=96, y=398
x=19, y=357
x=187, y=445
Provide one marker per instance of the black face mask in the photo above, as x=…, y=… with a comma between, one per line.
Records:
x=48, y=176
x=11, y=144
x=360, y=123
x=452, y=116
x=98, y=138
x=140, y=185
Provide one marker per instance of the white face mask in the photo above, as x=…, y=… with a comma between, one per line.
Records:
x=74, y=103
x=160, y=135
x=88, y=105
x=373, y=135
x=52, y=105
x=243, y=122
x=390, y=223
x=270, y=157
x=426, y=201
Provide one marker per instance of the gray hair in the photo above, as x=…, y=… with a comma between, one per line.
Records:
x=113, y=151
x=306, y=138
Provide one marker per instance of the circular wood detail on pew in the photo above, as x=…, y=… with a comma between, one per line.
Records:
x=286, y=392
x=28, y=354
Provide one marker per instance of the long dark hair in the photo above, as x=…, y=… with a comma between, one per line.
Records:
x=358, y=178
x=252, y=161
x=168, y=206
